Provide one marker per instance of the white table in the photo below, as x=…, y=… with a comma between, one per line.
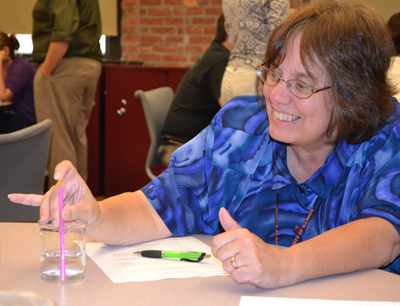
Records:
x=19, y=270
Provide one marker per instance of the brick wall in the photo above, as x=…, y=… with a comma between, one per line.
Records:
x=168, y=33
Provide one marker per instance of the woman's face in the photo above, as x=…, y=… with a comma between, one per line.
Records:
x=295, y=121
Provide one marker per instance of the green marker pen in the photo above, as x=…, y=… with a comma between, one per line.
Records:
x=188, y=256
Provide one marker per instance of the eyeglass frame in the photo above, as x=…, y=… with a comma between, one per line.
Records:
x=286, y=81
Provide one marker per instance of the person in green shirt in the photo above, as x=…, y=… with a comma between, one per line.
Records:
x=65, y=40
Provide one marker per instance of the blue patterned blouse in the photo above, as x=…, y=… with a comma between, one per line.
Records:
x=234, y=163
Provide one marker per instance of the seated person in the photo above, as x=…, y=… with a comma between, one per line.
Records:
x=16, y=86
x=197, y=99
x=394, y=71
x=311, y=163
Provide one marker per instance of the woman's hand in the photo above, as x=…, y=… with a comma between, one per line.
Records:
x=79, y=203
x=257, y=263
x=4, y=55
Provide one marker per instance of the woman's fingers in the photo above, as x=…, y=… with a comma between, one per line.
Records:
x=232, y=264
x=26, y=199
x=80, y=212
x=51, y=203
x=227, y=222
x=231, y=243
x=244, y=255
x=79, y=203
x=65, y=171
x=222, y=244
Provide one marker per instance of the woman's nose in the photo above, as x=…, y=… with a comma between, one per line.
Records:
x=278, y=93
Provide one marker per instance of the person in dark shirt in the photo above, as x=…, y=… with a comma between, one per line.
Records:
x=197, y=99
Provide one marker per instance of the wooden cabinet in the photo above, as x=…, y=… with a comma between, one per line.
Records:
x=126, y=138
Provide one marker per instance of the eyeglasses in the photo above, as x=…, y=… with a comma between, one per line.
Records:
x=297, y=88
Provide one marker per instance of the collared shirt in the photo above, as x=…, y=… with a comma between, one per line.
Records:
x=76, y=22
x=234, y=163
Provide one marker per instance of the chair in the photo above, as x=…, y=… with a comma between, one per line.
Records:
x=155, y=104
x=23, y=158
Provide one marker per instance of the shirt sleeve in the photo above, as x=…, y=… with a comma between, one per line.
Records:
x=66, y=20
x=17, y=78
x=380, y=177
x=179, y=193
x=211, y=171
x=381, y=194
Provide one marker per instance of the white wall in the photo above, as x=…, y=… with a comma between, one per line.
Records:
x=16, y=16
x=386, y=7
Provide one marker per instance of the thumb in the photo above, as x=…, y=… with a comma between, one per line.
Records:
x=227, y=221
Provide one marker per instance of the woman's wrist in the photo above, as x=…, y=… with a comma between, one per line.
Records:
x=290, y=268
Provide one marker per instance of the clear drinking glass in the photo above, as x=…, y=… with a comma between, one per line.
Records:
x=74, y=253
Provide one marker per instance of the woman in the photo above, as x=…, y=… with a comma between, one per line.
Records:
x=16, y=85
x=316, y=172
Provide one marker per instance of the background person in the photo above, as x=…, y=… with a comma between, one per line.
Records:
x=197, y=99
x=249, y=24
x=311, y=163
x=66, y=45
x=16, y=86
x=394, y=71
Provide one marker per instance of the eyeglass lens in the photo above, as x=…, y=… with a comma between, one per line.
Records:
x=297, y=88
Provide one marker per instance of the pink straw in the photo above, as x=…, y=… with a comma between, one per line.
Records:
x=62, y=243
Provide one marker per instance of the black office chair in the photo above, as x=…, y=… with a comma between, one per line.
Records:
x=155, y=104
x=23, y=158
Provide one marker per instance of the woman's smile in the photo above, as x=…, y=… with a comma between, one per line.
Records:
x=284, y=117
x=293, y=120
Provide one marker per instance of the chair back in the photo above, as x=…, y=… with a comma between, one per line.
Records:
x=23, y=158
x=155, y=104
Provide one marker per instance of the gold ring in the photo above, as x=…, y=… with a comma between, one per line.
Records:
x=233, y=262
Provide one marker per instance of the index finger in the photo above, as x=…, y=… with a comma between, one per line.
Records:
x=50, y=207
x=222, y=241
x=26, y=199
x=65, y=170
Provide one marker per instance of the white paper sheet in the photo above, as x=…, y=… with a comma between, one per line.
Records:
x=121, y=265
x=270, y=301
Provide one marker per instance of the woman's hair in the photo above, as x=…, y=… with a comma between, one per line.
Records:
x=350, y=41
x=10, y=41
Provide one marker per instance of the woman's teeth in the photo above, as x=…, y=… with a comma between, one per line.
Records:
x=284, y=117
